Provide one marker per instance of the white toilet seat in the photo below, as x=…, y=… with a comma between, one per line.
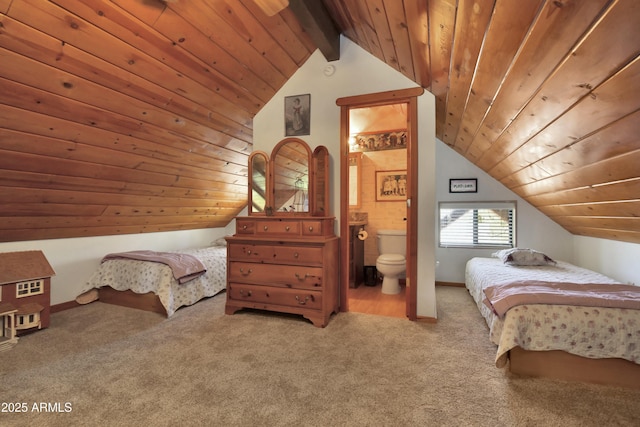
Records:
x=391, y=259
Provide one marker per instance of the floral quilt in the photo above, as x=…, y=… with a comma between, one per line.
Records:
x=594, y=332
x=144, y=276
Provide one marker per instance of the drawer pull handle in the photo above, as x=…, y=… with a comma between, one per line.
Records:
x=249, y=252
x=304, y=301
x=245, y=293
x=299, y=277
x=296, y=255
x=287, y=228
x=310, y=228
x=266, y=228
x=243, y=272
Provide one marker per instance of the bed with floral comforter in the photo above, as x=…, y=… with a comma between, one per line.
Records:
x=142, y=277
x=592, y=332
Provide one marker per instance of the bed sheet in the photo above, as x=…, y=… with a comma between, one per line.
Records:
x=593, y=332
x=143, y=276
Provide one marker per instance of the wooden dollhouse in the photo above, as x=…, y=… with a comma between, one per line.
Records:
x=7, y=320
x=25, y=293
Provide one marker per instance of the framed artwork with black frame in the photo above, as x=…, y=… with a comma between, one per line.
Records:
x=297, y=115
x=391, y=186
x=463, y=185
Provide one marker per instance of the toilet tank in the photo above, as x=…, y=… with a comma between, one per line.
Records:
x=392, y=242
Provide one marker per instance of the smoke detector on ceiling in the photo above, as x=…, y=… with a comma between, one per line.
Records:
x=329, y=70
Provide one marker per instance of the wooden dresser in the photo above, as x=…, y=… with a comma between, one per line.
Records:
x=284, y=264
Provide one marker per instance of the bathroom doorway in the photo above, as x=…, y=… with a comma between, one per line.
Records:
x=371, y=131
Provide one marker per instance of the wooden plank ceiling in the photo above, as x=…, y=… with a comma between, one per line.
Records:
x=129, y=116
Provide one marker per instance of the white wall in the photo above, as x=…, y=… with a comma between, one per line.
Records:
x=533, y=229
x=619, y=260
x=75, y=259
x=356, y=73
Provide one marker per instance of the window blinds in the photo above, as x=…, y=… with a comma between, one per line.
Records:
x=477, y=224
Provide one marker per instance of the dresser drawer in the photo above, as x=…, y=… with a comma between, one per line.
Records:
x=312, y=228
x=273, y=274
x=278, y=254
x=250, y=252
x=280, y=227
x=291, y=228
x=244, y=226
x=271, y=295
x=298, y=255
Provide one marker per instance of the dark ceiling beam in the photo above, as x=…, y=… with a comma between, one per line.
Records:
x=317, y=22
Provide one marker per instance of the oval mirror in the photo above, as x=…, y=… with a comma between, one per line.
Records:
x=290, y=167
x=258, y=161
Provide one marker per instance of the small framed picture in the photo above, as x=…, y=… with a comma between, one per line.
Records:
x=391, y=186
x=297, y=115
x=463, y=185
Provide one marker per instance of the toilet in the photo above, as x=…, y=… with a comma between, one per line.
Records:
x=391, y=263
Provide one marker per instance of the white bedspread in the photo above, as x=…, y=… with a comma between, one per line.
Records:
x=143, y=276
x=593, y=332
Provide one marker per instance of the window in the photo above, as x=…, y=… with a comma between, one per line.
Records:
x=477, y=224
x=26, y=289
x=26, y=321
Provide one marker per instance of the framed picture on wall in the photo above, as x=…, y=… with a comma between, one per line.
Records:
x=463, y=185
x=377, y=141
x=391, y=186
x=297, y=115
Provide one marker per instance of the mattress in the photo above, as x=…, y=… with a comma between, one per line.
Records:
x=593, y=332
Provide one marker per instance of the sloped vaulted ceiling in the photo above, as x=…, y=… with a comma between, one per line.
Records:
x=542, y=95
x=130, y=116
x=133, y=116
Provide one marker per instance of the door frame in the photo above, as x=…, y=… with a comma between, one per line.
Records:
x=410, y=97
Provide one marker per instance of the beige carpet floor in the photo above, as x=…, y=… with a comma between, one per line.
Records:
x=113, y=366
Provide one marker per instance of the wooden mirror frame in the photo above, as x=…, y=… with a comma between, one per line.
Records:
x=266, y=190
x=320, y=205
x=317, y=181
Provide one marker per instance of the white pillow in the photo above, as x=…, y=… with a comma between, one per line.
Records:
x=521, y=256
x=220, y=241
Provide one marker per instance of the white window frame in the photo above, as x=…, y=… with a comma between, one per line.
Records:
x=30, y=288
x=509, y=204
